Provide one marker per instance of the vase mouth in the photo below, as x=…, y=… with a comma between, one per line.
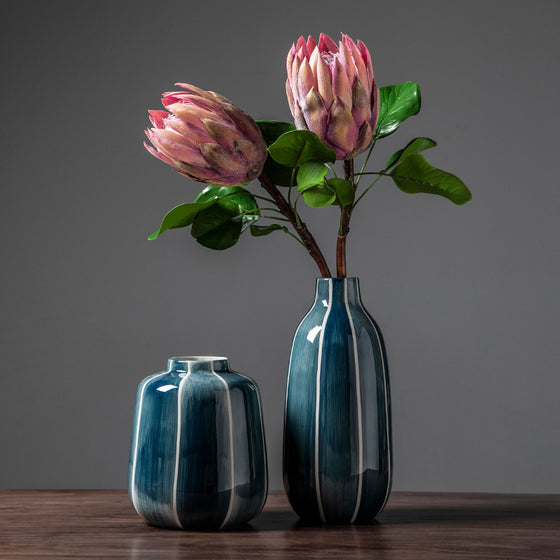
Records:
x=322, y=279
x=198, y=359
x=192, y=364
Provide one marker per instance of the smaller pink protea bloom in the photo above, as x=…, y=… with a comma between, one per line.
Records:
x=207, y=138
x=331, y=91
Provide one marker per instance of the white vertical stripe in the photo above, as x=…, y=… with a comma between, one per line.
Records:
x=231, y=457
x=133, y=486
x=178, y=448
x=317, y=403
x=359, y=405
x=384, y=367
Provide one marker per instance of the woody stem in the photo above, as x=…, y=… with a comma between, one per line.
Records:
x=344, y=224
x=301, y=229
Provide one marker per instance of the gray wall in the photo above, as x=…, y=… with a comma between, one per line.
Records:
x=467, y=297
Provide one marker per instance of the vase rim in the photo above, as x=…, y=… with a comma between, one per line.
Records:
x=322, y=278
x=198, y=358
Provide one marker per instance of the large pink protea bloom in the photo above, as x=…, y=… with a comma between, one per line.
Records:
x=207, y=138
x=331, y=91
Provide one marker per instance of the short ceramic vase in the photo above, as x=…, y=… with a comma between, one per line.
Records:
x=337, y=429
x=198, y=455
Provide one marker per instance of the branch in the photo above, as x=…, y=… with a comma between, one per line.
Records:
x=301, y=229
x=344, y=224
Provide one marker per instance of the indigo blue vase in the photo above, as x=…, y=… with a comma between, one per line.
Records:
x=198, y=455
x=337, y=429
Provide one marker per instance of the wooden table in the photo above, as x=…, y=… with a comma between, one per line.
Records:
x=414, y=526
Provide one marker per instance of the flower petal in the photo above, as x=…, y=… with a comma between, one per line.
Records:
x=342, y=87
x=361, y=103
x=299, y=119
x=157, y=118
x=326, y=44
x=305, y=80
x=220, y=159
x=252, y=156
x=367, y=62
x=365, y=136
x=374, y=106
x=159, y=155
x=176, y=146
x=342, y=132
x=221, y=133
x=315, y=113
x=290, y=96
x=358, y=62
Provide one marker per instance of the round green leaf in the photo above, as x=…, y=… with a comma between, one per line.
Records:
x=319, y=196
x=345, y=192
x=239, y=201
x=216, y=228
x=300, y=146
x=396, y=104
x=278, y=174
x=416, y=175
x=310, y=174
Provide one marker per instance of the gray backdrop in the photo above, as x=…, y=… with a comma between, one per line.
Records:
x=467, y=297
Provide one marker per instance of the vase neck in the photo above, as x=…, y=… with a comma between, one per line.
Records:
x=337, y=289
x=193, y=364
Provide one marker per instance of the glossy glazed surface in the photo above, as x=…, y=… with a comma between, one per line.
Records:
x=337, y=430
x=198, y=455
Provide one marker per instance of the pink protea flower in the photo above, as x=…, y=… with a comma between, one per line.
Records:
x=331, y=91
x=207, y=138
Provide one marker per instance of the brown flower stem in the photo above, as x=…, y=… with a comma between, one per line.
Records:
x=301, y=229
x=344, y=224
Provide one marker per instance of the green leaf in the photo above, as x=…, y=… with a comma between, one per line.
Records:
x=260, y=231
x=413, y=147
x=219, y=226
x=239, y=201
x=396, y=104
x=310, y=174
x=216, y=228
x=298, y=147
x=344, y=191
x=416, y=175
x=181, y=216
x=278, y=174
x=319, y=196
x=272, y=130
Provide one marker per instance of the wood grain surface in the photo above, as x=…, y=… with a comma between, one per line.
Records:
x=414, y=526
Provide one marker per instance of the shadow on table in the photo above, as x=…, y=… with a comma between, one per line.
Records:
x=517, y=509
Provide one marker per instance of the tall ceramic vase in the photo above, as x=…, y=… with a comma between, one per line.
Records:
x=337, y=429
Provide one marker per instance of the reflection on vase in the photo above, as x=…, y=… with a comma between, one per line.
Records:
x=337, y=430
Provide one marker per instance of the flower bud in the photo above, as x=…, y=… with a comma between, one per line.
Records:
x=206, y=138
x=331, y=91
